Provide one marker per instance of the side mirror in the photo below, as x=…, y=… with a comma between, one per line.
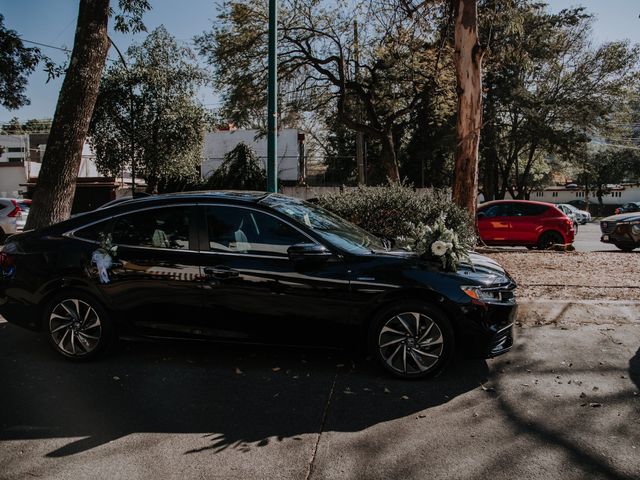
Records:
x=305, y=252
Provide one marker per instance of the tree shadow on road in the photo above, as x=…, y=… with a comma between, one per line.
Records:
x=236, y=396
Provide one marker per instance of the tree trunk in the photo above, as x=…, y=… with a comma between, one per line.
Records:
x=389, y=159
x=468, y=59
x=55, y=190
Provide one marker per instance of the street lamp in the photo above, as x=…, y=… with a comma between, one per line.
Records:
x=131, y=120
x=272, y=100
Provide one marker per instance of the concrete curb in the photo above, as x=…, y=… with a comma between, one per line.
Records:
x=577, y=312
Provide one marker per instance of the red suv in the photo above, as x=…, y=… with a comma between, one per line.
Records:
x=521, y=222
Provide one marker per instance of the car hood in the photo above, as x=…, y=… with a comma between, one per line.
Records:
x=622, y=217
x=484, y=270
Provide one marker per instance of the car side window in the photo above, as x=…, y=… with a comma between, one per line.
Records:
x=241, y=230
x=156, y=228
x=92, y=232
x=498, y=210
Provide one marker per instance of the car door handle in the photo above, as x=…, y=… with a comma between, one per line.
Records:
x=220, y=272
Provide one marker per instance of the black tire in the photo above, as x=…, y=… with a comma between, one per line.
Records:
x=77, y=326
x=3, y=237
x=550, y=238
x=626, y=247
x=426, y=347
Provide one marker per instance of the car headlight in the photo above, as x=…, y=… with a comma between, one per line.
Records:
x=481, y=295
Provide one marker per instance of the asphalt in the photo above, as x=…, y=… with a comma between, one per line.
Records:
x=563, y=404
x=588, y=239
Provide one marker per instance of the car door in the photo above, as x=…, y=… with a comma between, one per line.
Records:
x=253, y=291
x=493, y=224
x=155, y=283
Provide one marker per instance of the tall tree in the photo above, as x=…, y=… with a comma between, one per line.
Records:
x=318, y=60
x=549, y=91
x=57, y=179
x=153, y=101
x=16, y=63
x=468, y=61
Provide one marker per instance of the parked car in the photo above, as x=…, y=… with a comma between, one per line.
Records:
x=622, y=230
x=572, y=216
x=582, y=216
x=628, y=208
x=13, y=216
x=524, y=223
x=249, y=267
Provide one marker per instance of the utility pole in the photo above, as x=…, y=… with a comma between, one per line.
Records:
x=272, y=101
x=359, y=135
x=132, y=137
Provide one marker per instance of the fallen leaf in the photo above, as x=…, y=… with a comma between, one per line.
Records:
x=116, y=378
x=238, y=371
x=276, y=395
x=421, y=415
x=583, y=395
x=595, y=389
x=404, y=397
x=525, y=384
x=386, y=390
x=595, y=404
x=275, y=369
x=487, y=389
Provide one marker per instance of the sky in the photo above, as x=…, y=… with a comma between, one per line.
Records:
x=53, y=22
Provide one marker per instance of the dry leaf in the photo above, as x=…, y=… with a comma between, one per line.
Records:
x=275, y=369
x=238, y=371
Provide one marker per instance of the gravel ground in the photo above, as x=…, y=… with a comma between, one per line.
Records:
x=573, y=275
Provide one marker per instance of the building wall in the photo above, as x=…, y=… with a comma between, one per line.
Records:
x=619, y=194
x=14, y=148
x=218, y=144
x=11, y=176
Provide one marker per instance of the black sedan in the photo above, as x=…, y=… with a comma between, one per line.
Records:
x=621, y=230
x=248, y=267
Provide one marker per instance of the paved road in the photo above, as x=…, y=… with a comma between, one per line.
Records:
x=588, y=239
x=185, y=411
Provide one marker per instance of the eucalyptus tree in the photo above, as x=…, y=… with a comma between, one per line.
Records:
x=148, y=113
x=367, y=63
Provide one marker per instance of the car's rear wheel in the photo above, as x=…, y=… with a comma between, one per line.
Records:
x=548, y=239
x=77, y=326
x=411, y=339
x=626, y=247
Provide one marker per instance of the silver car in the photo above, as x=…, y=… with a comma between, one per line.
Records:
x=13, y=216
x=581, y=216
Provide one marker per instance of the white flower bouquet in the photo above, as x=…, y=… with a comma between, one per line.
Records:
x=103, y=257
x=437, y=243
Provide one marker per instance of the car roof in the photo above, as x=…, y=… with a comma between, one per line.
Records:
x=529, y=202
x=234, y=195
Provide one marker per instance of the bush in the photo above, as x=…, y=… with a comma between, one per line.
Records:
x=240, y=170
x=393, y=211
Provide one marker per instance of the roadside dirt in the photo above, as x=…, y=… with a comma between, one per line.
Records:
x=572, y=275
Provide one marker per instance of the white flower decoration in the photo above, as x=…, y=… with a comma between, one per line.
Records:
x=449, y=245
x=439, y=248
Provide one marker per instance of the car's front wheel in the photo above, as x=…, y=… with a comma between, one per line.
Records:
x=77, y=326
x=411, y=339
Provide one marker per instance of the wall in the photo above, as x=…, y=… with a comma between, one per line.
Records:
x=217, y=144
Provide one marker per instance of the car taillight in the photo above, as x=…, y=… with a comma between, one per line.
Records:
x=7, y=265
x=16, y=210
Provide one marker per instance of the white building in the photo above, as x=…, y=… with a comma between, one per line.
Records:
x=616, y=194
x=290, y=150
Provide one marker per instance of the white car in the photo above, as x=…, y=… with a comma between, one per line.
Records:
x=13, y=216
x=582, y=216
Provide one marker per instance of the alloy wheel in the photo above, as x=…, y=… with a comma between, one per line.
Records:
x=410, y=343
x=75, y=327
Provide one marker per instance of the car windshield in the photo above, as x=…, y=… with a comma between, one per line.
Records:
x=329, y=226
